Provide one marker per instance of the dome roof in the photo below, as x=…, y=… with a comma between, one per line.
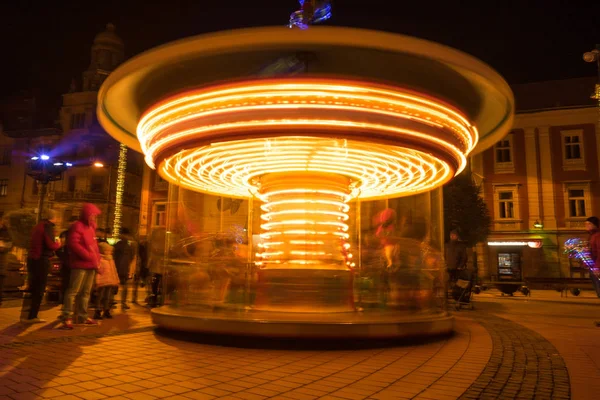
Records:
x=108, y=37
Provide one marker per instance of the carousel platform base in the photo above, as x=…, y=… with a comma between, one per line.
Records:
x=375, y=324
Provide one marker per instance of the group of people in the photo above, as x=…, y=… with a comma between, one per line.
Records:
x=87, y=262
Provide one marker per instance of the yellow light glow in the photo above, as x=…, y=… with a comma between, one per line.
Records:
x=321, y=214
x=305, y=147
x=392, y=142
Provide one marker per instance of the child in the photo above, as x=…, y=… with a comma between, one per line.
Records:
x=106, y=280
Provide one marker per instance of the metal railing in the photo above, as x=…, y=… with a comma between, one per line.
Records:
x=80, y=195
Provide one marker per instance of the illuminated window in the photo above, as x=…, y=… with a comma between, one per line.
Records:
x=573, y=150
x=506, y=206
x=503, y=155
x=506, y=203
x=159, y=215
x=3, y=187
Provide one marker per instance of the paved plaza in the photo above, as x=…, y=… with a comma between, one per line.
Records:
x=539, y=347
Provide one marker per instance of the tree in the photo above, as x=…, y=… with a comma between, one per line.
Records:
x=20, y=224
x=465, y=210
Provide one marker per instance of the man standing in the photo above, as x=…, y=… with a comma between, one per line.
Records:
x=456, y=256
x=142, y=271
x=84, y=259
x=5, y=246
x=591, y=225
x=123, y=256
x=42, y=249
x=65, y=271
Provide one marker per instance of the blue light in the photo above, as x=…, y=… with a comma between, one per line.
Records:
x=35, y=158
x=321, y=13
x=69, y=164
x=44, y=157
x=58, y=164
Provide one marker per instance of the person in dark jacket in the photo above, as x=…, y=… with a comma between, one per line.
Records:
x=5, y=245
x=142, y=272
x=592, y=225
x=456, y=256
x=84, y=260
x=123, y=256
x=42, y=248
x=65, y=271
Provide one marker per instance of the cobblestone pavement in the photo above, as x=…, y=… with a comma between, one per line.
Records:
x=569, y=328
x=523, y=365
x=500, y=350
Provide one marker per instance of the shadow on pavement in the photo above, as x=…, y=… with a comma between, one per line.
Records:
x=300, y=344
x=33, y=362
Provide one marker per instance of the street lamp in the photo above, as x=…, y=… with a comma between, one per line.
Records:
x=594, y=56
x=44, y=170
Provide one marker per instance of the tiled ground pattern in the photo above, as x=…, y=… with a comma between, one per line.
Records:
x=144, y=365
x=523, y=365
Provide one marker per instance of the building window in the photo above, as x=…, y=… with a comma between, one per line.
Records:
x=78, y=121
x=506, y=205
x=573, y=150
x=3, y=187
x=503, y=155
x=576, y=198
x=578, y=203
x=96, y=183
x=159, y=215
x=160, y=183
x=5, y=153
x=71, y=183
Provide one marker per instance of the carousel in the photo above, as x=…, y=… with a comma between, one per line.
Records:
x=331, y=144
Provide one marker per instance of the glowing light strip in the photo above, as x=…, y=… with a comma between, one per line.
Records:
x=121, y=170
x=268, y=216
x=304, y=92
x=321, y=214
x=378, y=170
x=344, y=207
x=231, y=168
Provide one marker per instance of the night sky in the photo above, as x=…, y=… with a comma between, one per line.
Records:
x=45, y=44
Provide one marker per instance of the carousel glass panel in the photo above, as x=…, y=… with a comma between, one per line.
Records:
x=390, y=262
x=205, y=259
x=401, y=264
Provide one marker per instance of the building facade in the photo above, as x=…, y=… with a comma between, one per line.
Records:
x=77, y=138
x=541, y=182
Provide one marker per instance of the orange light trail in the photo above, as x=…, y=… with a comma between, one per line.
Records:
x=306, y=147
x=222, y=138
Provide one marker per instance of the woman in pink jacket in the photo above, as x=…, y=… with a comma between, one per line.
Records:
x=84, y=260
x=106, y=280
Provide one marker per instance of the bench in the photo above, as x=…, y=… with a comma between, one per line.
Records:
x=563, y=285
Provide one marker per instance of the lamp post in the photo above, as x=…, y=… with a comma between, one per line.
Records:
x=99, y=164
x=44, y=170
x=119, y=190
